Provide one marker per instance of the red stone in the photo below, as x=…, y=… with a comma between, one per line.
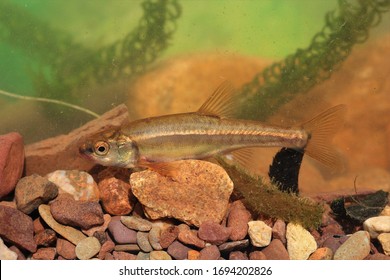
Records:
x=168, y=235
x=66, y=249
x=11, y=161
x=238, y=221
x=45, y=254
x=276, y=251
x=213, y=232
x=17, y=228
x=209, y=253
x=116, y=196
x=45, y=238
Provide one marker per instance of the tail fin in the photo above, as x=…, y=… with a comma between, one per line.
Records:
x=321, y=130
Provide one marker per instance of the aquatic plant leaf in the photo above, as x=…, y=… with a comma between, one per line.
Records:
x=263, y=198
x=361, y=207
x=297, y=73
x=284, y=170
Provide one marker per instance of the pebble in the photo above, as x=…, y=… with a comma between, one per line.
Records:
x=45, y=238
x=209, y=253
x=279, y=231
x=102, y=236
x=238, y=221
x=136, y=223
x=377, y=225
x=213, y=232
x=193, y=255
x=257, y=255
x=259, y=233
x=189, y=237
x=323, y=253
x=234, y=245
x=123, y=256
x=102, y=228
x=143, y=256
x=69, y=233
x=155, y=233
x=120, y=232
x=17, y=227
x=300, y=243
x=178, y=251
x=45, y=254
x=66, y=249
x=127, y=247
x=384, y=239
x=333, y=243
x=6, y=253
x=174, y=197
x=38, y=225
x=237, y=255
x=377, y=256
x=276, y=251
x=143, y=241
x=11, y=161
x=77, y=183
x=115, y=196
x=87, y=248
x=160, y=255
x=83, y=214
x=168, y=235
x=356, y=247
x=385, y=211
x=107, y=247
x=32, y=191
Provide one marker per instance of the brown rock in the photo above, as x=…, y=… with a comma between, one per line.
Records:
x=32, y=191
x=238, y=221
x=38, y=224
x=44, y=254
x=199, y=191
x=123, y=256
x=237, y=255
x=189, y=237
x=234, y=245
x=107, y=247
x=83, y=214
x=177, y=250
x=127, y=247
x=103, y=227
x=332, y=243
x=66, y=249
x=209, y=253
x=21, y=256
x=101, y=236
x=11, y=161
x=323, y=253
x=377, y=256
x=279, y=231
x=17, y=228
x=276, y=251
x=70, y=233
x=116, y=197
x=45, y=238
x=193, y=255
x=168, y=236
x=61, y=152
x=213, y=232
x=257, y=255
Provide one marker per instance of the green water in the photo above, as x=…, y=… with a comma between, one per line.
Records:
x=69, y=33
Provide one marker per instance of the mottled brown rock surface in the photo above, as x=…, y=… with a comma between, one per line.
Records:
x=199, y=192
x=116, y=197
x=61, y=152
x=83, y=214
x=17, y=227
x=32, y=191
x=11, y=161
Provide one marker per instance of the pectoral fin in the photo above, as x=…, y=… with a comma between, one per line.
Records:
x=166, y=169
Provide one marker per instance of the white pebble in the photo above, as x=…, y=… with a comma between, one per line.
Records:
x=6, y=253
x=377, y=225
x=300, y=243
x=259, y=233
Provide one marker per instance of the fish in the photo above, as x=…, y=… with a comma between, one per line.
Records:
x=158, y=143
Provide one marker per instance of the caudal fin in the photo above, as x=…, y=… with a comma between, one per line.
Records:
x=321, y=129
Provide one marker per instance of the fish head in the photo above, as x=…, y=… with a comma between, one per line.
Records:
x=111, y=148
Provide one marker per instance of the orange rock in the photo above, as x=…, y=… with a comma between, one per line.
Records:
x=193, y=254
x=323, y=253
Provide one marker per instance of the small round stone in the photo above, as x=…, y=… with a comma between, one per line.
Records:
x=377, y=225
x=87, y=248
x=136, y=223
x=357, y=247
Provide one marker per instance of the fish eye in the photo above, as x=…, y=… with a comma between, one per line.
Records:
x=101, y=148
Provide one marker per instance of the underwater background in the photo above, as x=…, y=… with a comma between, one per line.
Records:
x=290, y=59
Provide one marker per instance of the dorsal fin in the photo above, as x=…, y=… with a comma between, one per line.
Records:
x=221, y=103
